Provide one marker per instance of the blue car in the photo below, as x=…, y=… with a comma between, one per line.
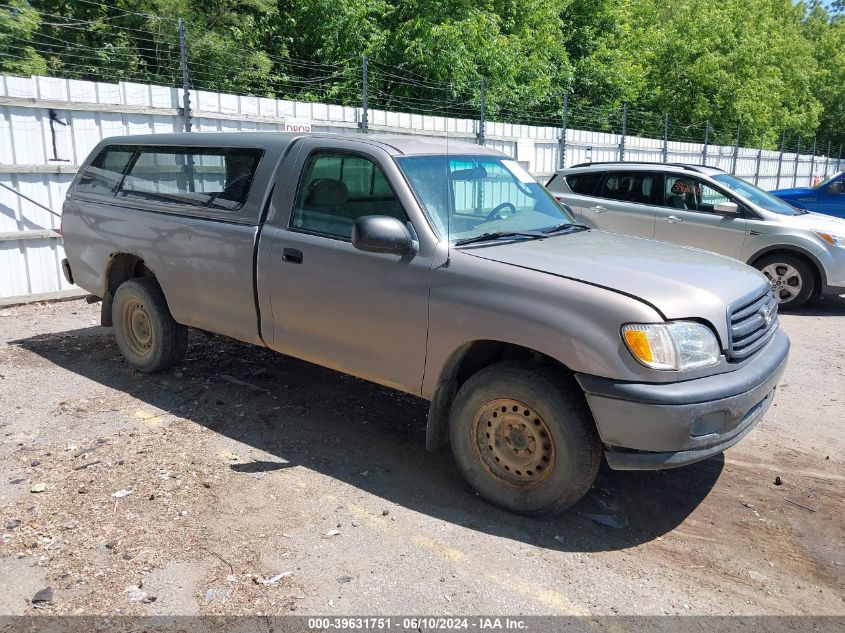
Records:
x=826, y=197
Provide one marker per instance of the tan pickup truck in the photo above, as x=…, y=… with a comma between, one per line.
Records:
x=446, y=272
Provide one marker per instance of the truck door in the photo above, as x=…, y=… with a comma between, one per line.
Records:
x=361, y=313
x=832, y=200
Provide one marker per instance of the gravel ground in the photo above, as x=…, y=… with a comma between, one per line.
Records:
x=244, y=482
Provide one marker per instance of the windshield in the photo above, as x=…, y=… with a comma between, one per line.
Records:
x=824, y=183
x=762, y=199
x=466, y=196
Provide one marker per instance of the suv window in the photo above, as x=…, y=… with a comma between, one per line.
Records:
x=585, y=184
x=215, y=177
x=337, y=190
x=628, y=186
x=105, y=172
x=684, y=192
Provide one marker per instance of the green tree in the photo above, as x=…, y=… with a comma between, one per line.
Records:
x=765, y=65
x=18, y=21
x=138, y=40
x=515, y=46
x=826, y=31
x=608, y=48
x=430, y=53
x=735, y=62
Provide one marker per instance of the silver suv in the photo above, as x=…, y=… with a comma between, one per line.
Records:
x=802, y=253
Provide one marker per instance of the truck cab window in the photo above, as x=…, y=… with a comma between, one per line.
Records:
x=105, y=172
x=337, y=189
x=212, y=177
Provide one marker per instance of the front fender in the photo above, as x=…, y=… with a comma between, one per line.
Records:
x=803, y=248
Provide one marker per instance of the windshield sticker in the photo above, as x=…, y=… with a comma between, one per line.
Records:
x=517, y=170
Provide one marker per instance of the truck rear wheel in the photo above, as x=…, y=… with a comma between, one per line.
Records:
x=523, y=437
x=148, y=337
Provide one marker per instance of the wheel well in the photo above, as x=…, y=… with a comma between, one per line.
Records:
x=462, y=364
x=817, y=275
x=122, y=267
x=480, y=354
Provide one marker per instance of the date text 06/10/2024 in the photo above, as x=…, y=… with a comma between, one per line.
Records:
x=417, y=623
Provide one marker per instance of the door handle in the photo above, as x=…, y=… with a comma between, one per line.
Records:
x=292, y=255
x=598, y=209
x=673, y=219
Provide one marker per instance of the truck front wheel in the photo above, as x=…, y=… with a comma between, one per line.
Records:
x=148, y=337
x=523, y=437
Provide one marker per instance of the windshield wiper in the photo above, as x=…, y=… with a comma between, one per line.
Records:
x=495, y=235
x=566, y=228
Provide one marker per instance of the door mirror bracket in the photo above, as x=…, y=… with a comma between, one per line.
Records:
x=383, y=234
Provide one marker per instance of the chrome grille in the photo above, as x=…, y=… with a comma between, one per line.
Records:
x=748, y=328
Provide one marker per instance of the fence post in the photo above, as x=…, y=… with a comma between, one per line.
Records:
x=565, y=122
x=481, y=120
x=813, y=161
x=365, y=95
x=759, y=158
x=183, y=61
x=838, y=160
x=780, y=157
x=736, y=152
x=706, y=140
x=827, y=158
x=665, y=137
x=624, y=132
x=795, y=170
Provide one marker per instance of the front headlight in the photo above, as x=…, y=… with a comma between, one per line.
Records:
x=833, y=240
x=673, y=346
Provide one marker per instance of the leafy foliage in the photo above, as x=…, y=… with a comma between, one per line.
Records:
x=18, y=22
x=765, y=66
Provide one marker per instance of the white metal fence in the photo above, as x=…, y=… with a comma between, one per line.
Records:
x=49, y=125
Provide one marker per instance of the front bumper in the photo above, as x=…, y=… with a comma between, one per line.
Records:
x=834, y=290
x=648, y=426
x=833, y=272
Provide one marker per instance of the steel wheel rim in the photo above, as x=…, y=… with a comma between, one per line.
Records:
x=138, y=328
x=785, y=279
x=513, y=444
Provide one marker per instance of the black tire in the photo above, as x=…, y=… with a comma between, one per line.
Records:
x=783, y=285
x=549, y=404
x=148, y=337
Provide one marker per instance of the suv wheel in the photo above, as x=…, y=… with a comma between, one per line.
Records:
x=523, y=437
x=792, y=279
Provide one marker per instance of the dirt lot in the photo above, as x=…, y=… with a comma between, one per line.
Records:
x=246, y=482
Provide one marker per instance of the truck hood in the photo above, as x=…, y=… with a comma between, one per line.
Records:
x=794, y=193
x=679, y=282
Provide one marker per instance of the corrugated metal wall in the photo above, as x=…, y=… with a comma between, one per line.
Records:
x=49, y=125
